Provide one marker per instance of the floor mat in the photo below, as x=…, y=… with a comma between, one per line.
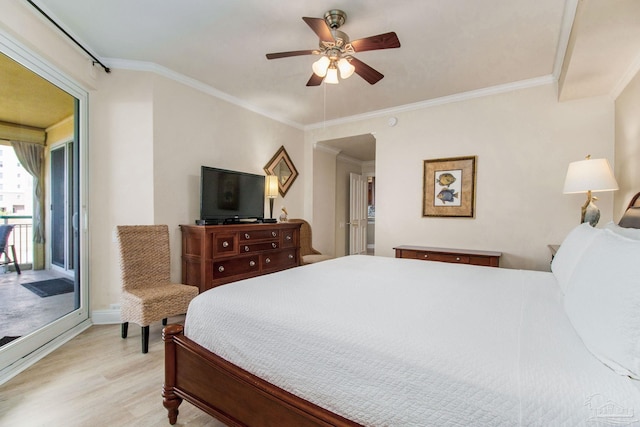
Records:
x=47, y=288
x=7, y=340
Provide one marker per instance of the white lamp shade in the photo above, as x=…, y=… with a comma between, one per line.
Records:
x=589, y=175
x=332, y=76
x=320, y=66
x=271, y=184
x=345, y=67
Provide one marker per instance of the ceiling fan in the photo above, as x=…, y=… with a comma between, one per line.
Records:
x=337, y=51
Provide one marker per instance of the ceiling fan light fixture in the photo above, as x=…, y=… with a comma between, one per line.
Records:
x=332, y=75
x=320, y=66
x=345, y=67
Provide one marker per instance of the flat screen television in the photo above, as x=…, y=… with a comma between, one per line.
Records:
x=229, y=196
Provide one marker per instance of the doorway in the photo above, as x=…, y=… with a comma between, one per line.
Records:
x=355, y=154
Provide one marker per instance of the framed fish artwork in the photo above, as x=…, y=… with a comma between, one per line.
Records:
x=449, y=187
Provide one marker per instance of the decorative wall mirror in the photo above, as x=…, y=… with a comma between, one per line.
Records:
x=281, y=166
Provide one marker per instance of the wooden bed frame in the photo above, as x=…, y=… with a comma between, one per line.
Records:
x=233, y=395
x=229, y=393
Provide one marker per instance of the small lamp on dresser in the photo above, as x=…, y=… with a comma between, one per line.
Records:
x=587, y=176
x=271, y=191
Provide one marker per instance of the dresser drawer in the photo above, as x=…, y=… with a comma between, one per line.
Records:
x=279, y=260
x=459, y=256
x=246, y=248
x=288, y=239
x=224, y=244
x=259, y=235
x=434, y=256
x=235, y=266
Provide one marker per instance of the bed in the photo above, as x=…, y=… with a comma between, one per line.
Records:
x=364, y=340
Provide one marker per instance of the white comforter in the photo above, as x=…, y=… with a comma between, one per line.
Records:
x=396, y=342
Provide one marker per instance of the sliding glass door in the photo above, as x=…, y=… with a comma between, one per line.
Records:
x=56, y=245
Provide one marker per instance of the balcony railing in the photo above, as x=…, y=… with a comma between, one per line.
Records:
x=21, y=237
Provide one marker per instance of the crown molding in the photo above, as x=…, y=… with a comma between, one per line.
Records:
x=464, y=96
x=125, y=64
x=327, y=149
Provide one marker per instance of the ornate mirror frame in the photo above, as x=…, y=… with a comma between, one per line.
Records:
x=281, y=166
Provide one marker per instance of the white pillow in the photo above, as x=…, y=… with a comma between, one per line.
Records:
x=631, y=233
x=570, y=252
x=603, y=301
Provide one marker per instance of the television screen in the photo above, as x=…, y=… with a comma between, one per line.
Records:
x=227, y=195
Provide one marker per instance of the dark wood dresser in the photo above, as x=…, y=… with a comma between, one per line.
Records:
x=213, y=255
x=460, y=256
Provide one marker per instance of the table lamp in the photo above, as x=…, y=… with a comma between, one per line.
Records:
x=587, y=176
x=271, y=191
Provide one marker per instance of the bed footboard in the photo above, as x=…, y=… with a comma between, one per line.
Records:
x=229, y=393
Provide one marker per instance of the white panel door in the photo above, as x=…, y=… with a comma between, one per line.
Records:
x=357, y=214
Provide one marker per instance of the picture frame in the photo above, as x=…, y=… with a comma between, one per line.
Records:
x=449, y=187
x=281, y=166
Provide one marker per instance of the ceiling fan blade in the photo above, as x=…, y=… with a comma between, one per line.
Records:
x=366, y=72
x=292, y=53
x=320, y=27
x=381, y=41
x=315, y=80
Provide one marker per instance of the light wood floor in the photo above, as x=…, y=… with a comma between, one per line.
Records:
x=97, y=379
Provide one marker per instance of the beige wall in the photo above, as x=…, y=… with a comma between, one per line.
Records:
x=524, y=141
x=323, y=219
x=120, y=173
x=149, y=137
x=627, y=145
x=191, y=129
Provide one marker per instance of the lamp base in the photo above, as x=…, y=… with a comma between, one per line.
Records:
x=590, y=212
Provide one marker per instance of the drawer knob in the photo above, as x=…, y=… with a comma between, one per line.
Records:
x=246, y=248
x=274, y=245
x=426, y=256
x=288, y=236
x=457, y=258
x=225, y=244
x=221, y=269
x=246, y=236
x=252, y=263
x=274, y=234
x=267, y=261
x=290, y=256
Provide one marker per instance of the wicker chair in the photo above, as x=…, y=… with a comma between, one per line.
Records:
x=308, y=254
x=147, y=292
x=5, y=231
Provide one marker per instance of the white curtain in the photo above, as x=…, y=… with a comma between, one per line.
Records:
x=31, y=156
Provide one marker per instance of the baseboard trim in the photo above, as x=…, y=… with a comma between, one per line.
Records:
x=29, y=360
x=106, y=317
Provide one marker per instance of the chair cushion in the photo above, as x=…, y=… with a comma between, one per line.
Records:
x=310, y=259
x=147, y=305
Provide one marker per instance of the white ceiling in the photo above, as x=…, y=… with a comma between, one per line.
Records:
x=448, y=48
